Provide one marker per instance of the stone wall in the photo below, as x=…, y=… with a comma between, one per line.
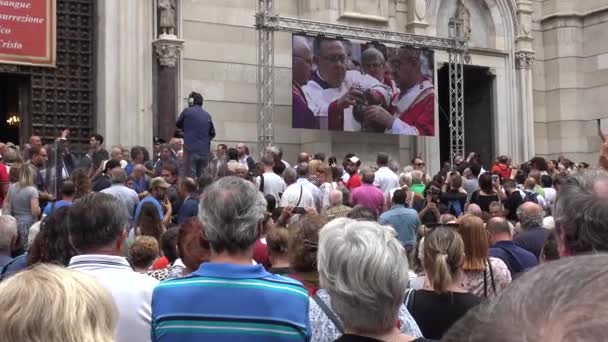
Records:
x=570, y=77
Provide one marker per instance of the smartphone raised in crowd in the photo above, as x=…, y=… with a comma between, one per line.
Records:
x=299, y=210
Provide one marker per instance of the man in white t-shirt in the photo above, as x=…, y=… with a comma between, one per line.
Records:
x=295, y=194
x=269, y=182
x=385, y=178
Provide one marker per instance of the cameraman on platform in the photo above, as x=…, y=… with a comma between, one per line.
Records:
x=198, y=132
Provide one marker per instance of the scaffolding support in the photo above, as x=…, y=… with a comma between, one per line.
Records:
x=267, y=22
x=265, y=77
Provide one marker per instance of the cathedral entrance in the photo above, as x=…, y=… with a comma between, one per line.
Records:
x=478, y=112
x=14, y=97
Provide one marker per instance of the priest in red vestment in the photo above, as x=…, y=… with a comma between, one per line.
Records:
x=414, y=106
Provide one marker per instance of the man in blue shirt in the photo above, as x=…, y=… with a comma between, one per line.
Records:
x=189, y=207
x=68, y=189
x=517, y=259
x=198, y=132
x=404, y=220
x=156, y=195
x=229, y=298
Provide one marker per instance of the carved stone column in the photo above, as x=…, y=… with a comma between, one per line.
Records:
x=524, y=59
x=167, y=49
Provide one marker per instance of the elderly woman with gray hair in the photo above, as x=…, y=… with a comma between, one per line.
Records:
x=363, y=274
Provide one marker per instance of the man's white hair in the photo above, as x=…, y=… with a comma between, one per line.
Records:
x=8, y=232
x=364, y=268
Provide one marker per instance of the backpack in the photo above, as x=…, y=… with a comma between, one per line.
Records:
x=531, y=197
x=455, y=208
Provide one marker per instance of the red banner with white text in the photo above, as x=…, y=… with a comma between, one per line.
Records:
x=28, y=32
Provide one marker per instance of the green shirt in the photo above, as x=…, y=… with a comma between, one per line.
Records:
x=418, y=188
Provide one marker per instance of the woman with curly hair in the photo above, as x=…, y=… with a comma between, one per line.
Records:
x=52, y=244
x=302, y=249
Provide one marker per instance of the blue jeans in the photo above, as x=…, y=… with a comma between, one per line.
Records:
x=196, y=163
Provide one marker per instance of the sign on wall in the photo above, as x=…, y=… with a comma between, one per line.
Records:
x=28, y=32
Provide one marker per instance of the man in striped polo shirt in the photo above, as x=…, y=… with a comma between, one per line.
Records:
x=230, y=298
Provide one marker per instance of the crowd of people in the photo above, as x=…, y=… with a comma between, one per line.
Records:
x=139, y=246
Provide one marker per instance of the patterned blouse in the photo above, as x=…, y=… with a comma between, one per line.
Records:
x=324, y=330
x=473, y=282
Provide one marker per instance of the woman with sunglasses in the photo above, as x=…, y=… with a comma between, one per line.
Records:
x=443, y=300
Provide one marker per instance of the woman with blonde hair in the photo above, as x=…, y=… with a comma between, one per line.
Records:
x=22, y=202
x=483, y=276
x=53, y=304
x=443, y=300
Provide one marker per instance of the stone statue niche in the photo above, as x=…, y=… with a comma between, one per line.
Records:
x=167, y=17
x=462, y=12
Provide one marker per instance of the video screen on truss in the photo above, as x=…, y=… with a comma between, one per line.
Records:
x=351, y=86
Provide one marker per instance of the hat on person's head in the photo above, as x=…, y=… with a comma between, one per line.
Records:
x=355, y=160
x=159, y=182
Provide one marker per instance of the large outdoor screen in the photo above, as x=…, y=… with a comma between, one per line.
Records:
x=351, y=86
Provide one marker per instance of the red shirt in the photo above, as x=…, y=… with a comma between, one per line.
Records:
x=160, y=263
x=260, y=253
x=3, y=181
x=354, y=182
x=503, y=170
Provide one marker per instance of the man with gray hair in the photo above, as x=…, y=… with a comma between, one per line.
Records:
x=97, y=225
x=8, y=239
x=581, y=213
x=363, y=272
x=303, y=173
x=127, y=196
x=295, y=195
x=237, y=301
x=533, y=235
x=563, y=300
x=418, y=182
x=336, y=207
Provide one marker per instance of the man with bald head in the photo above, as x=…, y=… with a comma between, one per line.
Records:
x=302, y=61
x=474, y=209
x=333, y=91
x=415, y=105
x=244, y=158
x=368, y=195
x=533, y=236
x=336, y=205
x=517, y=259
x=303, y=157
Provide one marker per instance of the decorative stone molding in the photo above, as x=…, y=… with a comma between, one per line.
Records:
x=167, y=48
x=365, y=10
x=524, y=16
x=524, y=59
x=416, y=16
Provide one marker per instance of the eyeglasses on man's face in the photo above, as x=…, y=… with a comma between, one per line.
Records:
x=335, y=59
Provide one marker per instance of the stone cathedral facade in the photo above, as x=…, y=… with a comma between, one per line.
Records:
x=536, y=85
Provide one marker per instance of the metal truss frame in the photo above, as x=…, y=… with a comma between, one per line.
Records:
x=267, y=22
x=456, y=58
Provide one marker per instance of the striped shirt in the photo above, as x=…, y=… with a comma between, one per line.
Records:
x=228, y=302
